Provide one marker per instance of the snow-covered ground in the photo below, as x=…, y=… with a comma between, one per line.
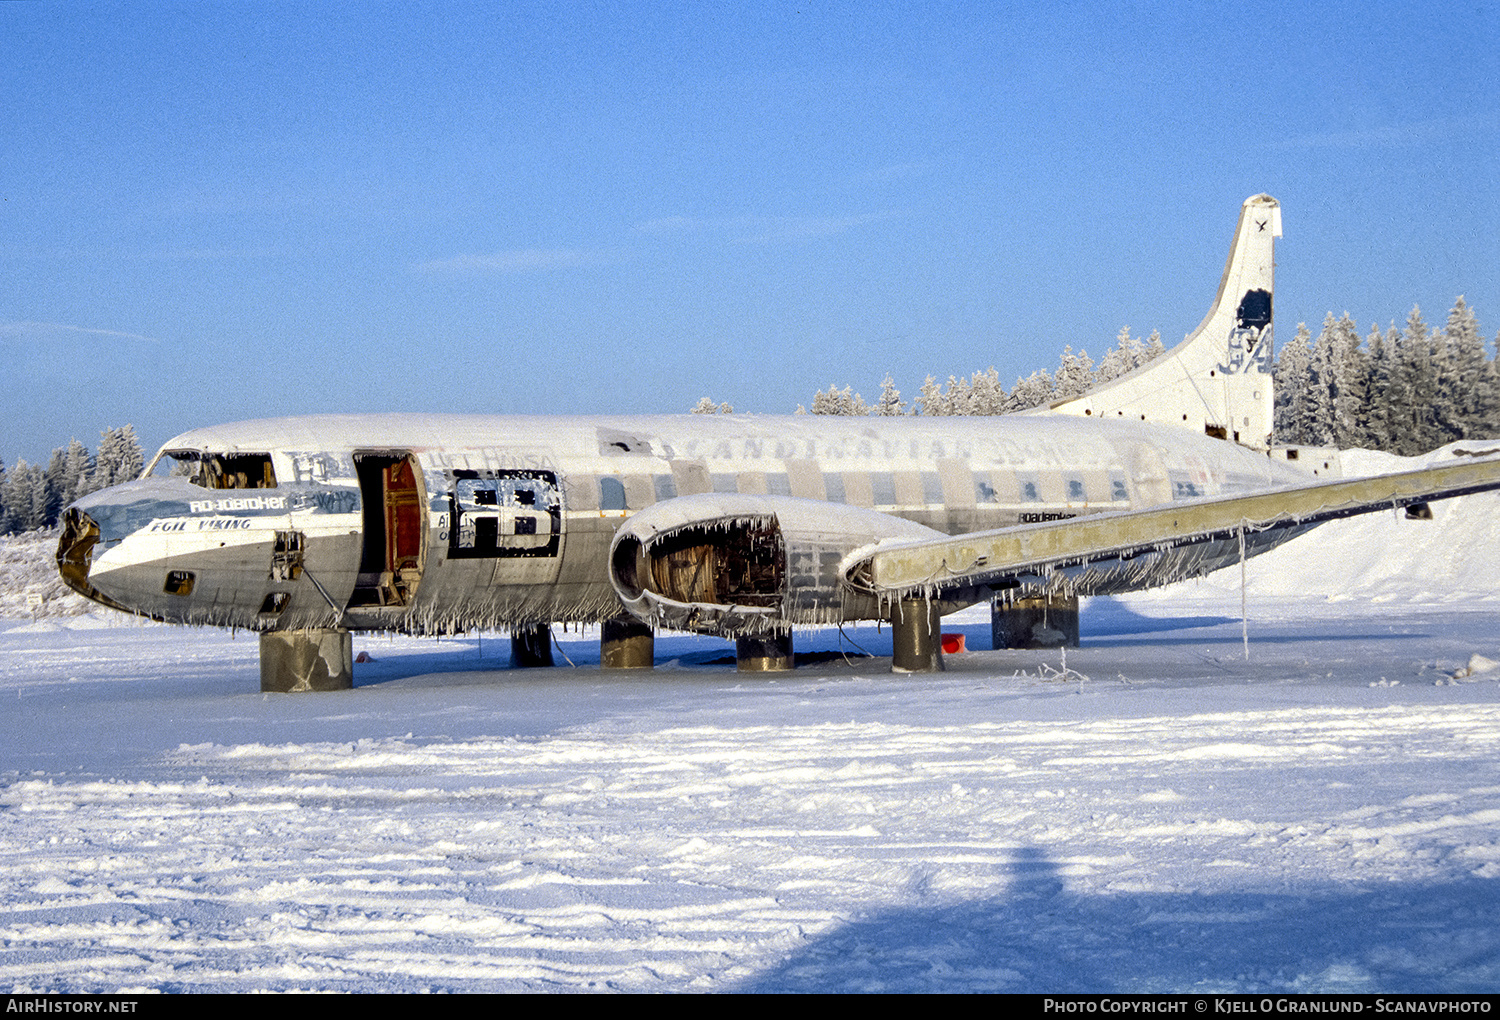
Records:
x=1157, y=813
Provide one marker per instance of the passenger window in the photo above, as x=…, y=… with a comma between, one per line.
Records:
x=611, y=494
x=1075, y=491
x=504, y=513
x=932, y=488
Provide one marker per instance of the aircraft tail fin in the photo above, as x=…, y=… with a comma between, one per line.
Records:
x=1218, y=380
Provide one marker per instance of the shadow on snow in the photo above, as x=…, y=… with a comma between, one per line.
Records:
x=1039, y=937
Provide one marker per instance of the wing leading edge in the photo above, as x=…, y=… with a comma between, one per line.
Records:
x=1111, y=552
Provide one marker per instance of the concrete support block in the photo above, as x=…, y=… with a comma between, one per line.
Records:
x=306, y=660
x=531, y=646
x=626, y=643
x=916, y=636
x=1047, y=622
x=766, y=654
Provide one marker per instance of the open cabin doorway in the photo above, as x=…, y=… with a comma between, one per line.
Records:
x=395, y=529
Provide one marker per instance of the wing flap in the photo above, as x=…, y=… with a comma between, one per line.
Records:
x=1184, y=538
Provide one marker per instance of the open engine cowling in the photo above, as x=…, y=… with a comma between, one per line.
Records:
x=734, y=565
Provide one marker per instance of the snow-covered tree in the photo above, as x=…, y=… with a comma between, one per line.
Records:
x=1293, y=384
x=77, y=466
x=986, y=394
x=1464, y=372
x=56, y=469
x=43, y=507
x=1075, y=374
x=1128, y=353
x=707, y=406
x=1492, y=378
x=119, y=458
x=1382, y=416
x=837, y=401
x=1318, y=392
x=931, y=399
x=1154, y=347
x=960, y=396
x=1419, y=401
x=1336, y=387
x=25, y=498
x=1348, y=378
x=889, y=403
x=1033, y=391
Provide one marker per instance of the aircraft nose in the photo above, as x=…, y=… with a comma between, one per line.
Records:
x=173, y=551
x=75, y=555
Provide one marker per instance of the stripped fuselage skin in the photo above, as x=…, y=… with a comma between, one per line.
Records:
x=438, y=523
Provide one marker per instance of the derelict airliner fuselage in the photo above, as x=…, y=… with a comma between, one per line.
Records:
x=439, y=523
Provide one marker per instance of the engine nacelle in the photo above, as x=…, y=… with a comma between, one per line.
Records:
x=733, y=564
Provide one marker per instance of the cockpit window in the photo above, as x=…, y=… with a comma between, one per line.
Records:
x=217, y=470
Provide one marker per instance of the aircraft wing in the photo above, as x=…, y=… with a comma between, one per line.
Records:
x=1109, y=552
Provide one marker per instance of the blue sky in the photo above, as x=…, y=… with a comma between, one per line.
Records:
x=211, y=212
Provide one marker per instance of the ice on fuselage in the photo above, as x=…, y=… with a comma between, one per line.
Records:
x=515, y=515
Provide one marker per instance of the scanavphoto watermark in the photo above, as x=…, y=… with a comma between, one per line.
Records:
x=1242, y=1004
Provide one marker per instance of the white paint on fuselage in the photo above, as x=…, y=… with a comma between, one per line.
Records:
x=951, y=474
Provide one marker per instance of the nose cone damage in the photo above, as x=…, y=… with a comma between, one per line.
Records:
x=75, y=556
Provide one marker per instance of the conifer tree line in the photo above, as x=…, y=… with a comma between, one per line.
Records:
x=1405, y=391
x=33, y=497
x=982, y=392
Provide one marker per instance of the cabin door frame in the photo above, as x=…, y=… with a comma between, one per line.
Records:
x=393, y=544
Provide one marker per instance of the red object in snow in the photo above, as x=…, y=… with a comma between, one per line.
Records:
x=953, y=644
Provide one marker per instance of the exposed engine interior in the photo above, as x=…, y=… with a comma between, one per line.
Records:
x=739, y=562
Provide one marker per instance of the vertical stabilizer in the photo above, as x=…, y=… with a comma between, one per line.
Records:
x=1218, y=380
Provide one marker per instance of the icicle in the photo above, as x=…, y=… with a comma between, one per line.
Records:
x=1244, y=617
